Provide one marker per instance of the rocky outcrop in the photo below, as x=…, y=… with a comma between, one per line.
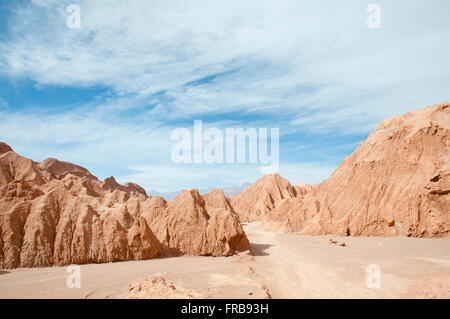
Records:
x=58, y=169
x=301, y=190
x=111, y=184
x=257, y=200
x=15, y=168
x=4, y=148
x=196, y=225
x=58, y=213
x=397, y=182
x=61, y=225
x=134, y=188
x=157, y=287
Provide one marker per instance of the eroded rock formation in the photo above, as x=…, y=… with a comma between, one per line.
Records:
x=196, y=225
x=257, y=200
x=397, y=182
x=58, y=213
x=157, y=287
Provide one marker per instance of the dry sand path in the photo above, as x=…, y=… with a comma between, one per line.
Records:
x=301, y=266
x=283, y=266
x=219, y=277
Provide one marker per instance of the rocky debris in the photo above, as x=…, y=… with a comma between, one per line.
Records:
x=397, y=182
x=213, y=285
x=332, y=241
x=260, y=198
x=157, y=287
x=58, y=213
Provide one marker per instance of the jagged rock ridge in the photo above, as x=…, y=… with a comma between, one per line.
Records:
x=260, y=198
x=397, y=182
x=58, y=213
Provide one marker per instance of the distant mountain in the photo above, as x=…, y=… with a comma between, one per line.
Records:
x=228, y=191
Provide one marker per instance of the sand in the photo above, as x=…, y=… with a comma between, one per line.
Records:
x=284, y=265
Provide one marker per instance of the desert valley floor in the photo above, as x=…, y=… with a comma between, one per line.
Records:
x=283, y=265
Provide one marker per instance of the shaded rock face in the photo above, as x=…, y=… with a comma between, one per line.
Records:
x=111, y=184
x=16, y=168
x=58, y=213
x=196, y=225
x=4, y=148
x=59, y=169
x=257, y=200
x=397, y=182
x=302, y=189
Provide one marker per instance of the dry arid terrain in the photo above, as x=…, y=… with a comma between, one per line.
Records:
x=284, y=265
x=384, y=212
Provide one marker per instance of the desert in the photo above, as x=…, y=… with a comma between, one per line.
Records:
x=283, y=265
x=378, y=227
x=224, y=159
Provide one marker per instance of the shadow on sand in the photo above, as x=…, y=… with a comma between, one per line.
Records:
x=2, y=272
x=259, y=249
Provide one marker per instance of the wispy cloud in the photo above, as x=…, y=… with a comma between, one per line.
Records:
x=164, y=177
x=311, y=68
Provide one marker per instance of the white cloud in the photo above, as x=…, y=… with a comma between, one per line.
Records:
x=85, y=137
x=169, y=178
x=301, y=64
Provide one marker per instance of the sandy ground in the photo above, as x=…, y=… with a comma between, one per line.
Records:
x=283, y=266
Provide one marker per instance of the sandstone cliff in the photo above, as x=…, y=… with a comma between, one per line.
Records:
x=196, y=225
x=58, y=213
x=257, y=200
x=397, y=182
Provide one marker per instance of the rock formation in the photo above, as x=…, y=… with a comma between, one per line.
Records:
x=157, y=287
x=4, y=148
x=58, y=169
x=257, y=200
x=58, y=213
x=302, y=189
x=397, y=182
x=196, y=225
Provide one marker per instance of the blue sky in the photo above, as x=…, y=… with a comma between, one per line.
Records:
x=108, y=95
